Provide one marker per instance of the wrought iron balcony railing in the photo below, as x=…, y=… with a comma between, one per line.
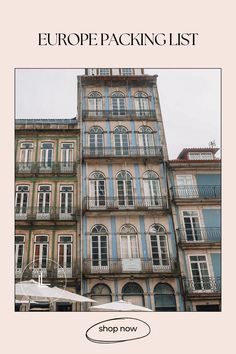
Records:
x=121, y=203
x=45, y=213
x=49, y=272
x=115, y=113
x=199, y=234
x=45, y=167
x=129, y=151
x=196, y=191
x=129, y=265
x=202, y=285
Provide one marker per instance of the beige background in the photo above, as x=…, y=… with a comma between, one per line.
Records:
x=21, y=21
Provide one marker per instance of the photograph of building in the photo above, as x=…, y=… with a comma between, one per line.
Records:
x=102, y=211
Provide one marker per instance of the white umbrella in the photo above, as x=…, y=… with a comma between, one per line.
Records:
x=34, y=290
x=120, y=305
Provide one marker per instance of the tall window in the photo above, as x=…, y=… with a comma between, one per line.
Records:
x=160, y=254
x=101, y=293
x=99, y=243
x=97, y=190
x=22, y=196
x=133, y=292
x=118, y=104
x=46, y=156
x=19, y=253
x=164, y=297
x=66, y=201
x=40, y=252
x=126, y=71
x=121, y=141
x=200, y=274
x=44, y=197
x=146, y=141
x=95, y=104
x=185, y=186
x=65, y=255
x=125, y=189
x=152, y=189
x=26, y=156
x=141, y=103
x=192, y=226
x=96, y=141
x=129, y=243
x=67, y=156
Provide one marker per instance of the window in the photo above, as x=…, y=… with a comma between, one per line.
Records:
x=44, y=196
x=185, y=188
x=97, y=190
x=19, y=253
x=40, y=252
x=104, y=72
x=26, y=156
x=200, y=156
x=96, y=141
x=164, y=298
x=22, y=196
x=160, y=254
x=152, y=189
x=208, y=308
x=126, y=71
x=66, y=201
x=125, y=189
x=118, y=104
x=129, y=244
x=200, y=274
x=99, y=247
x=67, y=156
x=95, y=103
x=46, y=156
x=146, y=141
x=141, y=104
x=101, y=293
x=65, y=255
x=192, y=226
x=121, y=141
x=133, y=292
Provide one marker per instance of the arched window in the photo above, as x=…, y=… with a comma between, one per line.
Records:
x=164, y=298
x=125, y=189
x=118, y=104
x=101, y=293
x=99, y=241
x=129, y=242
x=152, y=191
x=141, y=103
x=146, y=141
x=95, y=103
x=121, y=141
x=96, y=141
x=159, y=246
x=96, y=190
x=133, y=292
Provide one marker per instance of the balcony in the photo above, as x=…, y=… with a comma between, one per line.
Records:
x=124, y=152
x=199, y=236
x=45, y=213
x=125, y=203
x=114, y=114
x=28, y=168
x=202, y=287
x=196, y=192
x=49, y=272
x=130, y=265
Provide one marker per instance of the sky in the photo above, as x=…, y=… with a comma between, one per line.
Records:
x=189, y=99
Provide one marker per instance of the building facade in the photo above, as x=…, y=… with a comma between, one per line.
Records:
x=101, y=211
x=196, y=207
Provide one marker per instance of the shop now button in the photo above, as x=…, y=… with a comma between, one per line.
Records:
x=116, y=330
